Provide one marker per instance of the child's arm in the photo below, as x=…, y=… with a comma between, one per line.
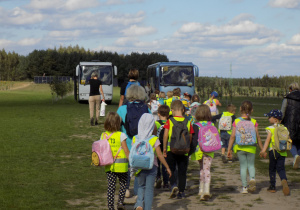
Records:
x=231, y=141
x=265, y=147
x=258, y=138
x=162, y=160
x=125, y=148
x=166, y=136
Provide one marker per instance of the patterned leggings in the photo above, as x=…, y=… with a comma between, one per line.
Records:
x=112, y=179
x=205, y=164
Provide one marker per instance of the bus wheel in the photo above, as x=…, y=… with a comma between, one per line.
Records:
x=108, y=102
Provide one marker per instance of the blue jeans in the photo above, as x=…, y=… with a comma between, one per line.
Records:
x=225, y=139
x=146, y=180
x=295, y=150
x=247, y=160
x=164, y=173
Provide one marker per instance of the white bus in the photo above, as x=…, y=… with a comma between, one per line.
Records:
x=106, y=72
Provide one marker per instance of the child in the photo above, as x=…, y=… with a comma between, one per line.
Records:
x=186, y=102
x=169, y=100
x=173, y=160
x=277, y=158
x=245, y=153
x=120, y=167
x=212, y=102
x=154, y=105
x=163, y=114
x=203, y=116
x=146, y=178
x=225, y=127
x=176, y=93
x=161, y=98
x=195, y=102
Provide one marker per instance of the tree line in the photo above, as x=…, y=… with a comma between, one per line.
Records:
x=63, y=61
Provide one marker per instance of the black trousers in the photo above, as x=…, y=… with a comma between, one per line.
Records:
x=276, y=164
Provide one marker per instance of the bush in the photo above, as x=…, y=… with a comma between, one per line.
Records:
x=60, y=88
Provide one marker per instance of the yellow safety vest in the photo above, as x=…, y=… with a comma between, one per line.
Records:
x=250, y=149
x=272, y=142
x=180, y=119
x=121, y=163
x=169, y=102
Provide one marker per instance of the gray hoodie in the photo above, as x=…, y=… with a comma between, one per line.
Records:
x=145, y=126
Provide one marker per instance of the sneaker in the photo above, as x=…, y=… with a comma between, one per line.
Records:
x=244, y=190
x=92, y=121
x=285, y=187
x=158, y=183
x=272, y=189
x=224, y=159
x=296, y=162
x=127, y=194
x=96, y=122
x=174, y=192
x=120, y=206
x=252, y=186
x=180, y=195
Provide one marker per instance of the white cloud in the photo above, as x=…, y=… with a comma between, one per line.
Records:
x=135, y=30
x=69, y=5
x=5, y=43
x=295, y=40
x=28, y=42
x=45, y=4
x=290, y=4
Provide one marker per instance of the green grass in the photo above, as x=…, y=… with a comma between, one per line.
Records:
x=45, y=150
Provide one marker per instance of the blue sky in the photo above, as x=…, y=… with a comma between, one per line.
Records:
x=257, y=36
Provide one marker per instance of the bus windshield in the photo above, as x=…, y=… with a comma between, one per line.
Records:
x=176, y=76
x=104, y=74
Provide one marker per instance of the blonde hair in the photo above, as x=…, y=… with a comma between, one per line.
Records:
x=294, y=86
x=133, y=74
x=246, y=108
x=112, y=122
x=170, y=94
x=162, y=95
x=203, y=113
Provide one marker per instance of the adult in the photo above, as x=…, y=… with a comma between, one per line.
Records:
x=133, y=76
x=95, y=99
x=148, y=89
x=136, y=95
x=291, y=119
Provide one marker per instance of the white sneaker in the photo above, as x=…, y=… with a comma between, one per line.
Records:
x=252, y=186
x=296, y=162
x=244, y=190
x=127, y=194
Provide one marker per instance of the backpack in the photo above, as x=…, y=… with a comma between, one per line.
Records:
x=101, y=152
x=282, y=140
x=193, y=108
x=154, y=106
x=245, y=133
x=212, y=106
x=208, y=137
x=134, y=112
x=141, y=155
x=129, y=84
x=225, y=123
x=180, y=138
x=161, y=101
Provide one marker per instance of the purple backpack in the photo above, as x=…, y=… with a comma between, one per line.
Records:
x=208, y=137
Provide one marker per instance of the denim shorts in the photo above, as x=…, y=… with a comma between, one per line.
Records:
x=225, y=139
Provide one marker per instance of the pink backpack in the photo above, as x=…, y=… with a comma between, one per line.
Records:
x=208, y=137
x=101, y=152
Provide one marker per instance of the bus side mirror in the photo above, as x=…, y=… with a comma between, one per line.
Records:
x=115, y=70
x=77, y=70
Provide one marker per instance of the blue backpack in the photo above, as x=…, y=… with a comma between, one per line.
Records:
x=134, y=112
x=129, y=84
x=245, y=133
x=141, y=154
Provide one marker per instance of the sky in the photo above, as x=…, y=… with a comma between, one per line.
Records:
x=251, y=37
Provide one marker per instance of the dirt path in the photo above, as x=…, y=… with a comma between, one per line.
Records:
x=225, y=189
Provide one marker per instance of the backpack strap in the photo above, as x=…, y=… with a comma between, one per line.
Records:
x=107, y=136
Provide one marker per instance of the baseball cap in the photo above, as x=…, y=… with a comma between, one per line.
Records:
x=274, y=113
x=214, y=93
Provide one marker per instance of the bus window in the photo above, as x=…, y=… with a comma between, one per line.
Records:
x=104, y=74
x=177, y=76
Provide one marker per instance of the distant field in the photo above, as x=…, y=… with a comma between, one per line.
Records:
x=45, y=154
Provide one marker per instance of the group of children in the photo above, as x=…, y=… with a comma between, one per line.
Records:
x=169, y=112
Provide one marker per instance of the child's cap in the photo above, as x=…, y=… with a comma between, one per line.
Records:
x=215, y=94
x=187, y=94
x=274, y=113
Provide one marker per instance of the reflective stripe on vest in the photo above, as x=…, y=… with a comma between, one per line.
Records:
x=121, y=163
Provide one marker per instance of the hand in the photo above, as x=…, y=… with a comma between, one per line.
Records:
x=165, y=153
x=229, y=154
x=169, y=172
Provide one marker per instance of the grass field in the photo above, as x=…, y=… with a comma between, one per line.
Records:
x=45, y=154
